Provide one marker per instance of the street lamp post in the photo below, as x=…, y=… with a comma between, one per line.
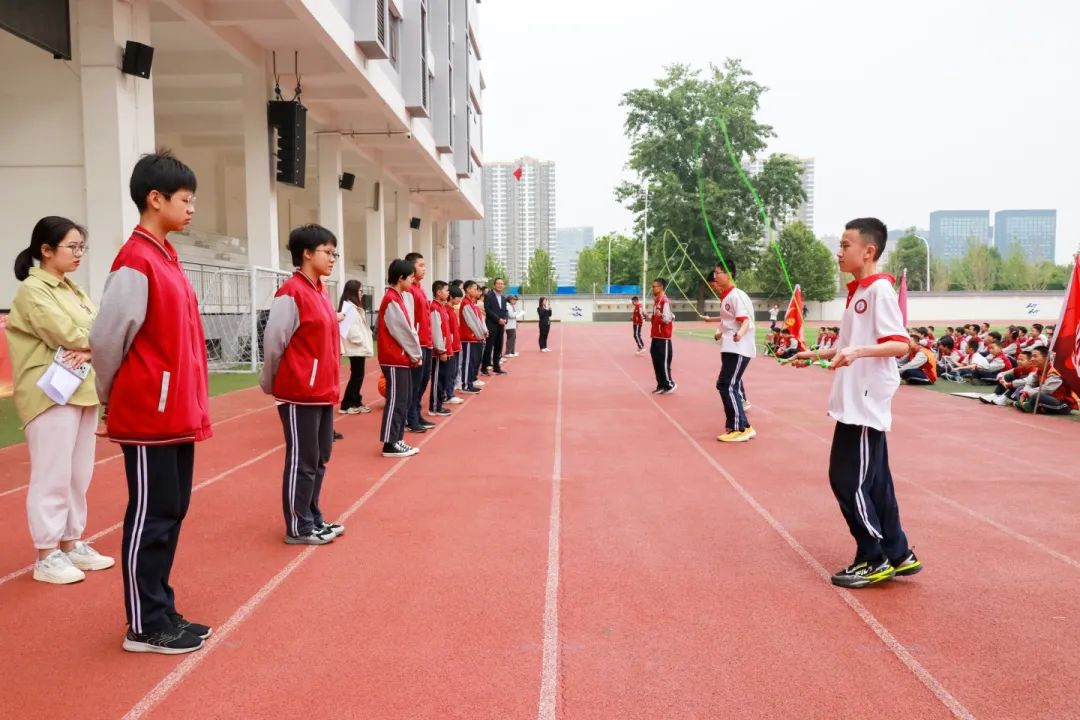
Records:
x=609, y=264
x=645, y=241
x=927, y=243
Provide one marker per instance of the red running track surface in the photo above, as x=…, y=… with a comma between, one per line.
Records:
x=568, y=545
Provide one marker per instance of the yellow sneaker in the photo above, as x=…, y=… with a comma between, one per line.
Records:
x=738, y=436
x=750, y=433
x=727, y=436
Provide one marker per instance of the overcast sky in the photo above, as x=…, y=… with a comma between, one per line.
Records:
x=907, y=108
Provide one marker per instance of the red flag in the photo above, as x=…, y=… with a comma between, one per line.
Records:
x=903, y=297
x=1065, y=345
x=793, y=319
x=517, y=173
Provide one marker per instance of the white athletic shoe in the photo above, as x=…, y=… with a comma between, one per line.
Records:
x=56, y=568
x=85, y=557
x=479, y=383
x=455, y=401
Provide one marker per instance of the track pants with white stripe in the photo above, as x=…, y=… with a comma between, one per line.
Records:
x=729, y=385
x=637, y=337
x=471, y=353
x=861, y=481
x=421, y=376
x=309, y=438
x=159, y=491
x=660, y=349
x=440, y=378
x=398, y=396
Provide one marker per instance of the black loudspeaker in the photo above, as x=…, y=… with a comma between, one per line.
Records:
x=137, y=59
x=290, y=120
x=414, y=223
x=346, y=181
x=375, y=197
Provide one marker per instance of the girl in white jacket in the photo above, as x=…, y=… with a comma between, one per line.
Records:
x=356, y=344
x=514, y=313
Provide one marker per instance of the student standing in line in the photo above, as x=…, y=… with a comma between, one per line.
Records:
x=454, y=382
x=356, y=344
x=638, y=321
x=416, y=422
x=663, y=323
x=872, y=336
x=473, y=335
x=49, y=312
x=514, y=313
x=399, y=354
x=441, y=342
x=544, y=311
x=737, y=348
x=150, y=358
x=301, y=346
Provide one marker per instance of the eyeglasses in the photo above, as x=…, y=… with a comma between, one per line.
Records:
x=76, y=250
x=332, y=253
x=189, y=201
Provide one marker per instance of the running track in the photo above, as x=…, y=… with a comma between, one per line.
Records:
x=568, y=545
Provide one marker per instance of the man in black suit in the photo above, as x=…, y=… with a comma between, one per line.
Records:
x=497, y=315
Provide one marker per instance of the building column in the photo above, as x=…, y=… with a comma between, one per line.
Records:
x=117, y=122
x=422, y=244
x=403, y=240
x=331, y=212
x=376, y=244
x=260, y=185
x=441, y=250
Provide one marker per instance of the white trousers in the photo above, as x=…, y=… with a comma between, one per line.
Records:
x=61, y=442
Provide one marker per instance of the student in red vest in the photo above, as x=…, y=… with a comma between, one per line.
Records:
x=415, y=421
x=663, y=322
x=454, y=381
x=473, y=335
x=150, y=359
x=442, y=348
x=638, y=321
x=1048, y=390
x=300, y=369
x=399, y=355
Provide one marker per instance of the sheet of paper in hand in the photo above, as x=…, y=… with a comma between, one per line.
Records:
x=59, y=381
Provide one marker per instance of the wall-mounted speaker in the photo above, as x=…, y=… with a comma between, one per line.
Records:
x=346, y=181
x=289, y=118
x=414, y=223
x=137, y=59
x=375, y=196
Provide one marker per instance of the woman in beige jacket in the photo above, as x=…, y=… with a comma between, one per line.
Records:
x=50, y=312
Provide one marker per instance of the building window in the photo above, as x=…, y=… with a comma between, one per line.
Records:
x=395, y=38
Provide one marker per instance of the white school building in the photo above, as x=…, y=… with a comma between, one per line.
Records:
x=393, y=95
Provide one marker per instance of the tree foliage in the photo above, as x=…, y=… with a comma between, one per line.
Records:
x=664, y=123
x=909, y=254
x=809, y=262
x=540, y=278
x=493, y=268
x=591, y=270
x=979, y=268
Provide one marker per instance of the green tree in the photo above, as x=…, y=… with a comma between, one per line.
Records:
x=1016, y=274
x=941, y=275
x=664, y=123
x=910, y=254
x=540, y=278
x=493, y=268
x=809, y=262
x=591, y=270
x=979, y=268
x=625, y=258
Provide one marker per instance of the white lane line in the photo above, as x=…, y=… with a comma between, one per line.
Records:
x=895, y=646
x=169, y=683
x=549, y=674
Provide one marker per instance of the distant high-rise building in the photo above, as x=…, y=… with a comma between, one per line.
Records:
x=805, y=212
x=950, y=231
x=571, y=241
x=1035, y=231
x=467, y=250
x=520, y=212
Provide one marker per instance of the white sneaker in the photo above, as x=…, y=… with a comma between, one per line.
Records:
x=85, y=557
x=479, y=383
x=56, y=568
x=747, y=406
x=1001, y=400
x=454, y=401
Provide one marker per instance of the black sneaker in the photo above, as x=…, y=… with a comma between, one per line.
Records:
x=338, y=436
x=200, y=631
x=471, y=391
x=317, y=536
x=416, y=429
x=863, y=574
x=442, y=412
x=910, y=565
x=333, y=528
x=399, y=449
x=171, y=641
x=427, y=425
x=501, y=372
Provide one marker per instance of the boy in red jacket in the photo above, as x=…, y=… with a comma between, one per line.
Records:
x=442, y=340
x=638, y=320
x=399, y=353
x=150, y=357
x=300, y=369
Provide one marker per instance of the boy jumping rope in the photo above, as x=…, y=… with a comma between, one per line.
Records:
x=872, y=336
x=737, y=348
x=638, y=321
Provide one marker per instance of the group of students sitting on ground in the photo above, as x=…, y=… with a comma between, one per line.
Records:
x=1015, y=363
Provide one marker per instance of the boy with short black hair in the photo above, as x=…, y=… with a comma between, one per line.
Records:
x=301, y=371
x=149, y=354
x=737, y=349
x=1047, y=393
x=416, y=422
x=871, y=338
x=399, y=351
x=473, y=335
x=454, y=383
x=637, y=319
x=442, y=348
x=663, y=324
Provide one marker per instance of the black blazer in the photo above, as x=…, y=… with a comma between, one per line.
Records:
x=495, y=306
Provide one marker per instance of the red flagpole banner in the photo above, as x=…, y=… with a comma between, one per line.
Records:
x=793, y=319
x=1065, y=345
x=902, y=297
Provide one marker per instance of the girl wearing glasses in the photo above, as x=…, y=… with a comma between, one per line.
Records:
x=50, y=312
